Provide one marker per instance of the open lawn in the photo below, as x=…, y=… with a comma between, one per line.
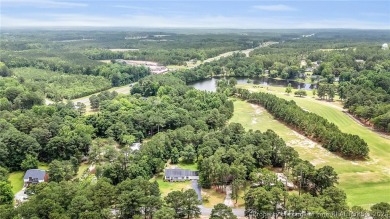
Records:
x=192, y=166
x=167, y=187
x=365, y=182
x=43, y=166
x=16, y=179
x=214, y=197
x=82, y=168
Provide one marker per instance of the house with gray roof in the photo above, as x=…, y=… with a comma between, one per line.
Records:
x=177, y=174
x=34, y=176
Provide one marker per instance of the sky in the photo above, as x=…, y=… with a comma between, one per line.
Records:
x=244, y=14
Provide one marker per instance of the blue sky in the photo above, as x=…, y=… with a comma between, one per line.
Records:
x=256, y=14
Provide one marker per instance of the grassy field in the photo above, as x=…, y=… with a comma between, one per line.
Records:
x=167, y=187
x=82, y=168
x=365, y=182
x=16, y=179
x=192, y=166
x=214, y=197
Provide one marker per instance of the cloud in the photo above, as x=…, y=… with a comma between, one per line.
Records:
x=155, y=21
x=42, y=3
x=278, y=7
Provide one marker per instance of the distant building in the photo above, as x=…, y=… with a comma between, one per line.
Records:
x=35, y=176
x=360, y=61
x=135, y=146
x=385, y=46
x=177, y=174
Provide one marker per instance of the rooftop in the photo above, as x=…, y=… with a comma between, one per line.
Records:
x=34, y=173
x=177, y=172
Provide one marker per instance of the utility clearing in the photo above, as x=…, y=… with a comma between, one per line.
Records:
x=366, y=182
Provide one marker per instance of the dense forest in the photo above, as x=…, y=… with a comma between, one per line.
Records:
x=71, y=52
x=176, y=123
x=57, y=86
x=189, y=136
x=16, y=95
x=358, y=72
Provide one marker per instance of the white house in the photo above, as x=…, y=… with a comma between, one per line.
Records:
x=34, y=176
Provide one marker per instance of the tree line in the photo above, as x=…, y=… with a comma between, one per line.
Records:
x=367, y=95
x=310, y=124
x=132, y=198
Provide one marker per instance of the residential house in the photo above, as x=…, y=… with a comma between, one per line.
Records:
x=34, y=176
x=177, y=174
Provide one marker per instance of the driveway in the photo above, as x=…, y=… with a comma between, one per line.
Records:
x=239, y=212
x=228, y=199
x=20, y=196
x=197, y=189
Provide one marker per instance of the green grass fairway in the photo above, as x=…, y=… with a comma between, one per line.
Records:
x=16, y=179
x=365, y=182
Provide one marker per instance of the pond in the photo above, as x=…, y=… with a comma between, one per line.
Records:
x=210, y=84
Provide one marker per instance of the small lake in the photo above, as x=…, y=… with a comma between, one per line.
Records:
x=210, y=84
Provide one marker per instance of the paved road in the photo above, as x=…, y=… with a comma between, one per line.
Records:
x=197, y=188
x=226, y=54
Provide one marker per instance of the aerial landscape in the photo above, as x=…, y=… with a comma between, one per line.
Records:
x=194, y=109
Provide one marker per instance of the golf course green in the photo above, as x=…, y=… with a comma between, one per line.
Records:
x=366, y=182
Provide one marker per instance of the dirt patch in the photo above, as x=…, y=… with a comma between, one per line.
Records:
x=307, y=144
x=371, y=162
x=317, y=161
x=254, y=121
x=257, y=109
